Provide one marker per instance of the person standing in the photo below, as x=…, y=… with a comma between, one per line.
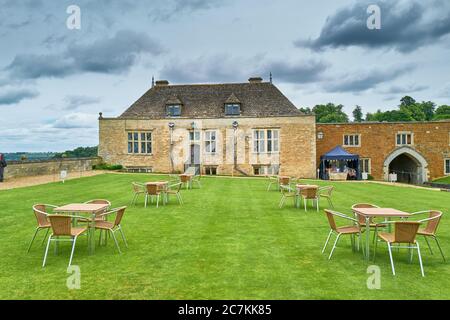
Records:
x=2, y=166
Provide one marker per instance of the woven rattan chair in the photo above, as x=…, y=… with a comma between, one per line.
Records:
x=362, y=219
x=196, y=179
x=41, y=213
x=97, y=215
x=432, y=224
x=284, y=182
x=273, y=180
x=112, y=227
x=310, y=194
x=351, y=230
x=152, y=191
x=326, y=192
x=287, y=193
x=62, y=229
x=405, y=232
x=175, y=190
x=138, y=189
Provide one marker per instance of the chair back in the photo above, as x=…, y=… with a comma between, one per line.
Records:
x=309, y=193
x=40, y=212
x=326, y=191
x=61, y=225
x=406, y=231
x=331, y=221
x=176, y=186
x=119, y=215
x=285, y=181
x=138, y=188
x=433, y=222
x=361, y=218
x=191, y=171
x=185, y=178
x=152, y=189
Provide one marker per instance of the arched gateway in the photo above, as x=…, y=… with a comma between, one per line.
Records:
x=409, y=165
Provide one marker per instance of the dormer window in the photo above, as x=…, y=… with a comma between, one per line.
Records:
x=174, y=110
x=232, y=109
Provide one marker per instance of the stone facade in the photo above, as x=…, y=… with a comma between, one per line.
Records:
x=430, y=146
x=17, y=169
x=296, y=156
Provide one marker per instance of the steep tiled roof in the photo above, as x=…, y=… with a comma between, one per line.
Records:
x=208, y=101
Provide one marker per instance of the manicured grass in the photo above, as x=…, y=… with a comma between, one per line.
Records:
x=443, y=180
x=229, y=241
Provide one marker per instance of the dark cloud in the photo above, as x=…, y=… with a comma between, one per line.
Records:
x=16, y=96
x=361, y=81
x=296, y=72
x=171, y=8
x=111, y=55
x=405, y=26
x=401, y=89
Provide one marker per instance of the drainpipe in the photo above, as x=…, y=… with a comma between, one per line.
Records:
x=171, y=127
x=236, y=167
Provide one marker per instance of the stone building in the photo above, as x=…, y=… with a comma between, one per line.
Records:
x=245, y=128
x=416, y=152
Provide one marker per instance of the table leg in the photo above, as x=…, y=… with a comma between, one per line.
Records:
x=367, y=238
x=92, y=236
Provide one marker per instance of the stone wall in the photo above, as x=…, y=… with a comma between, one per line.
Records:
x=431, y=140
x=17, y=169
x=297, y=154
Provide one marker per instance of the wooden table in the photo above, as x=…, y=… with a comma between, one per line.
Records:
x=369, y=213
x=162, y=186
x=84, y=208
x=301, y=187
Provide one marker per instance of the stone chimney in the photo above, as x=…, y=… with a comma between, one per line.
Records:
x=255, y=80
x=161, y=83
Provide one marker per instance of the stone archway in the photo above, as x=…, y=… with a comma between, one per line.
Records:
x=410, y=166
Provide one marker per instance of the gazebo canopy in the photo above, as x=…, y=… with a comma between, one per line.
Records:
x=339, y=153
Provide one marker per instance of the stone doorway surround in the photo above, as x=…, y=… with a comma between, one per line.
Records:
x=421, y=162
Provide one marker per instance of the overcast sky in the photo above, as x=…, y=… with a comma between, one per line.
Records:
x=54, y=81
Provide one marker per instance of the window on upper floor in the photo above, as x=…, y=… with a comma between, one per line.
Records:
x=352, y=140
x=210, y=141
x=173, y=110
x=139, y=142
x=266, y=141
x=404, y=139
x=232, y=109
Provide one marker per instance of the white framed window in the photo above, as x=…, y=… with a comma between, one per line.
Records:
x=404, y=139
x=365, y=165
x=210, y=141
x=139, y=142
x=352, y=140
x=447, y=167
x=262, y=170
x=266, y=141
x=194, y=136
x=173, y=110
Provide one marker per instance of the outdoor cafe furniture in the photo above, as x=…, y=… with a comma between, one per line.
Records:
x=432, y=224
x=307, y=192
x=273, y=180
x=196, y=179
x=156, y=189
x=80, y=210
x=175, y=190
x=63, y=231
x=138, y=189
x=41, y=213
x=370, y=213
x=284, y=181
x=362, y=220
x=112, y=227
x=287, y=193
x=97, y=201
x=186, y=179
x=352, y=230
x=326, y=192
x=405, y=232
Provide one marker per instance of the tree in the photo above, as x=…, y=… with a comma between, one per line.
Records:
x=330, y=113
x=79, y=152
x=442, y=113
x=429, y=109
x=407, y=101
x=357, y=114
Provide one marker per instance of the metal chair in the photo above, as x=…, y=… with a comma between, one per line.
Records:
x=273, y=180
x=196, y=179
x=405, y=232
x=112, y=227
x=41, y=213
x=432, y=224
x=287, y=193
x=138, y=189
x=351, y=230
x=175, y=189
x=62, y=227
x=326, y=192
x=362, y=219
x=310, y=194
x=152, y=191
x=97, y=215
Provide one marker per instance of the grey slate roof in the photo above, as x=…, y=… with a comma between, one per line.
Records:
x=208, y=101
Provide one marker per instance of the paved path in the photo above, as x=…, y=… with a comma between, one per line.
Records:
x=37, y=180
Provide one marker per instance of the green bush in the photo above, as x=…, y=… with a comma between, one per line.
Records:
x=105, y=166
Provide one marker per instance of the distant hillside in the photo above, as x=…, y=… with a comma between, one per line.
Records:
x=18, y=156
x=81, y=152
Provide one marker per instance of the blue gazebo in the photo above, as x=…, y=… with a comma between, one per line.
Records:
x=339, y=159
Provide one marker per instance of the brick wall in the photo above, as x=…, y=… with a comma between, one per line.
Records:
x=378, y=141
x=297, y=144
x=17, y=169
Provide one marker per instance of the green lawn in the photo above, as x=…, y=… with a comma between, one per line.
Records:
x=229, y=241
x=443, y=180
